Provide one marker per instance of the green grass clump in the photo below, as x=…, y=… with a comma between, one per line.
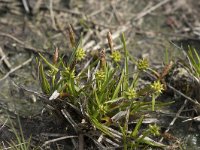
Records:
x=106, y=92
x=20, y=142
x=194, y=59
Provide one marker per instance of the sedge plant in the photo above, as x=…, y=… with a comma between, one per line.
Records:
x=194, y=59
x=105, y=91
x=20, y=142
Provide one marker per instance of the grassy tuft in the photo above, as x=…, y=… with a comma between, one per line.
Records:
x=20, y=142
x=107, y=94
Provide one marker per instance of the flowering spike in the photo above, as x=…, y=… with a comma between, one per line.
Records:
x=71, y=35
x=100, y=75
x=55, y=56
x=110, y=42
x=102, y=55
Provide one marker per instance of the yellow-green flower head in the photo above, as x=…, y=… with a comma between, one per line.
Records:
x=67, y=73
x=116, y=56
x=157, y=87
x=154, y=129
x=142, y=64
x=100, y=75
x=80, y=54
x=131, y=93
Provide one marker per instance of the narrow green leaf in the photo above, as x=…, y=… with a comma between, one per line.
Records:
x=43, y=80
x=108, y=79
x=124, y=136
x=125, y=63
x=48, y=63
x=151, y=142
x=72, y=86
x=73, y=55
x=196, y=66
x=166, y=56
x=197, y=55
x=101, y=127
x=126, y=53
x=97, y=99
x=135, y=79
x=116, y=92
x=114, y=100
x=137, y=127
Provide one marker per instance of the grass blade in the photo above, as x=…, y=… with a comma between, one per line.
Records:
x=43, y=80
x=137, y=127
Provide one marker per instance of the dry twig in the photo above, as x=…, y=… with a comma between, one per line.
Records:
x=185, y=96
x=3, y=125
x=175, y=118
x=36, y=6
x=142, y=14
x=12, y=37
x=2, y=54
x=16, y=68
x=69, y=118
x=26, y=6
x=58, y=139
x=29, y=48
x=52, y=14
x=115, y=13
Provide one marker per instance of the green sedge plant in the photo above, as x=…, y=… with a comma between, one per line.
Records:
x=20, y=142
x=105, y=91
x=194, y=59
